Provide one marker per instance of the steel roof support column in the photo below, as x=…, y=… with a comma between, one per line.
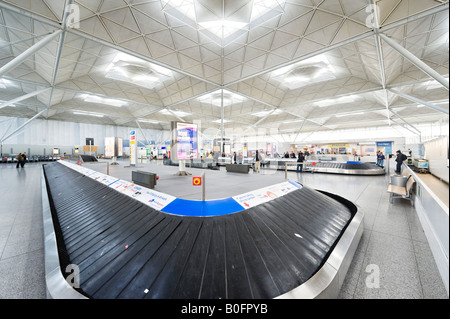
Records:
x=59, y=50
x=415, y=60
x=414, y=99
x=412, y=126
x=222, y=128
x=23, y=97
x=22, y=126
x=146, y=140
x=28, y=52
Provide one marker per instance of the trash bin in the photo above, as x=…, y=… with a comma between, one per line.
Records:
x=145, y=179
x=399, y=180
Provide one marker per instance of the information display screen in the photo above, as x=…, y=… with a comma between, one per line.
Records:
x=109, y=146
x=187, y=145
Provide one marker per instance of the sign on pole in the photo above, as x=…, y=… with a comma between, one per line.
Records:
x=133, y=148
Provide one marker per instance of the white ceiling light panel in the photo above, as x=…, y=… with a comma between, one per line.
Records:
x=310, y=71
x=336, y=101
x=220, y=121
x=102, y=100
x=174, y=112
x=130, y=69
x=215, y=98
x=223, y=21
x=88, y=113
x=149, y=121
x=265, y=113
x=349, y=114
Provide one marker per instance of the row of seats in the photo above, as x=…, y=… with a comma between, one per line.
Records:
x=404, y=192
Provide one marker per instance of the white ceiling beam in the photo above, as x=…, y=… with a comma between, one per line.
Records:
x=412, y=126
x=414, y=99
x=100, y=41
x=304, y=57
x=405, y=127
x=22, y=126
x=62, y=38
x=139, y=56
x=22, y=98
x=140, y=128
x=415, y=17
x=28, y=52
x=380, y=57
x=29, y=14
x=415, y=60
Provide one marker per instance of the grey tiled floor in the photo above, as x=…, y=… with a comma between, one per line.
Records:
x=21, y=233
x=393, y=240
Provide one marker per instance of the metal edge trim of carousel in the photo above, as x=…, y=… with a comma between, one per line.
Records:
x=57, y=286
x=325, y=284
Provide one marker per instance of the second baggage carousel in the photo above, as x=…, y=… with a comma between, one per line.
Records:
x=284, y=241
x=348, y=168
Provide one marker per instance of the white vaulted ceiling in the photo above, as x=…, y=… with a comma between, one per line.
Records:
x=290, y=65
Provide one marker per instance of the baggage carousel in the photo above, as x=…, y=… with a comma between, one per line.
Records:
x=107, y=238
x=348, y=168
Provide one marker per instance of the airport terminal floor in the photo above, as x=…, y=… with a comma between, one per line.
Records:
x=393, y=240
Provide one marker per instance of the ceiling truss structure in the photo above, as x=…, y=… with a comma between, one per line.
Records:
x=320, y=65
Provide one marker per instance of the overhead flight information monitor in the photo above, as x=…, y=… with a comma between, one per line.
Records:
x=187, y=145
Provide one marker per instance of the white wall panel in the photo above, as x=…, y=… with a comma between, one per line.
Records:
x=42, y=134
x=436, y=152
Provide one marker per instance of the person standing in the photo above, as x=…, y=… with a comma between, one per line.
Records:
x=234, y=158
x=19, y=160
x=24, y=159
x=262, y=157
x=257, y=162
x=400, y=158
x=382, y=157
x=300, y=160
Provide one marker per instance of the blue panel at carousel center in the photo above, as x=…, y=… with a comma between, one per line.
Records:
x=203, y=208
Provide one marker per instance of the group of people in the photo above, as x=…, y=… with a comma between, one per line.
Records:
x=301, y=158
x=400, y=158
x=380, y=159
x=259, y=157
x=21, y=159
x=292, y=154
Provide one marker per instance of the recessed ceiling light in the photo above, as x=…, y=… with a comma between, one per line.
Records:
x=224, y=120
x=264, y=113
x=176, y=112
x=149, y=121
x=10, y=105
x=223, y=21
x=130, y=69
x=102, y=100
x=313, y=70
x=336, y=101
x=215, y=98
x=88, y=113
x=4, y=83
x=350, y=114
x=433, y=84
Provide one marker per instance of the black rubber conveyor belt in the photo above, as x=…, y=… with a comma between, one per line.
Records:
x=346, y=165
x=125, y=249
